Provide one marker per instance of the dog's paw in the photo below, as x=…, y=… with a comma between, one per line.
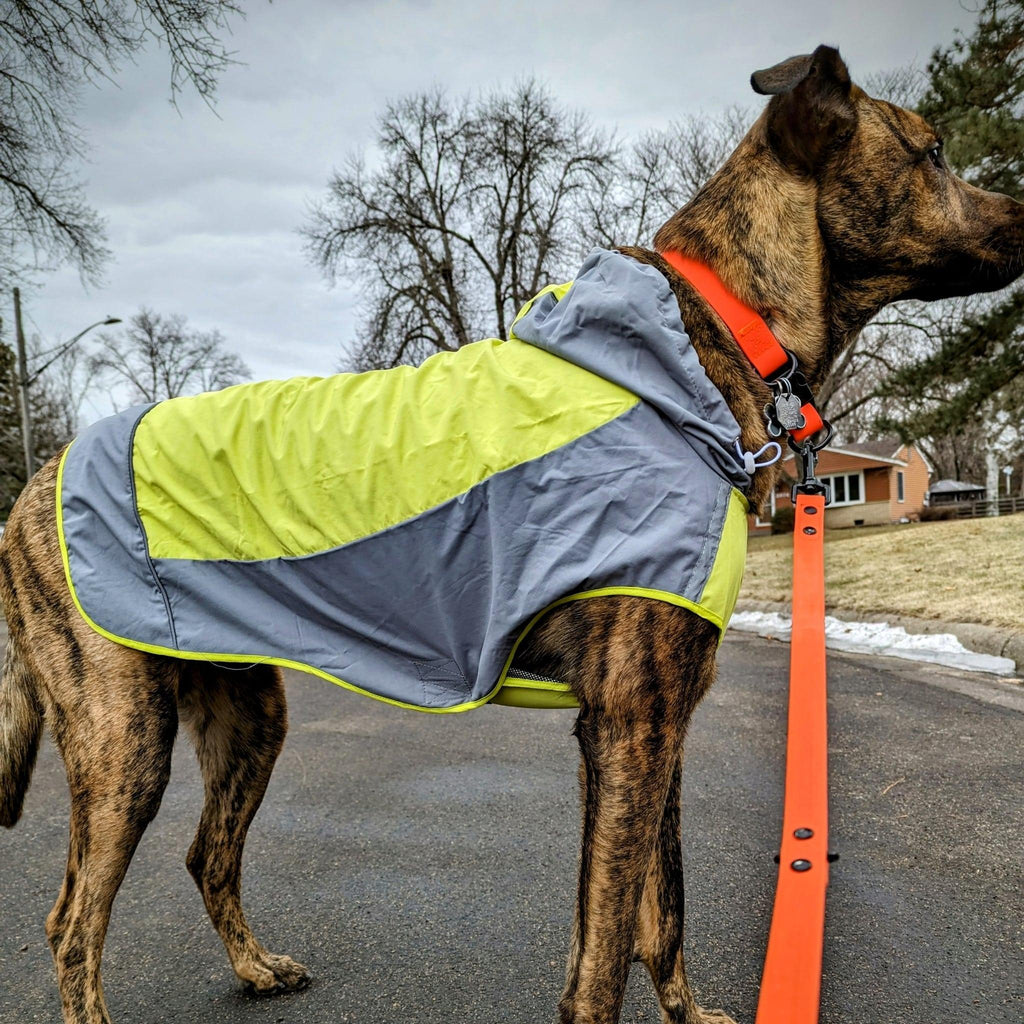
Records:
x=271, y=975
x=714, y=1017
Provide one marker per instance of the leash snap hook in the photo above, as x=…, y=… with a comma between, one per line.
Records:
x=807, y=457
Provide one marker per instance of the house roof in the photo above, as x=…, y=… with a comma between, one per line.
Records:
x=883, y=449
x=871, y=451
x=953, y=487
x=888, y=449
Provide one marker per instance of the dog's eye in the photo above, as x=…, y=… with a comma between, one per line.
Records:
x=935, y=155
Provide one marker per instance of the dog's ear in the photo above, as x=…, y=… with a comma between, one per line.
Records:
x=811, y=108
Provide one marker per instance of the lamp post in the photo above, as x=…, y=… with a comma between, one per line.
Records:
x=25, y=381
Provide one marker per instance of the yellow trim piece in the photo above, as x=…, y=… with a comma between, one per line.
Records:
x=536, y=695
x=723, y=585
x=558, y=290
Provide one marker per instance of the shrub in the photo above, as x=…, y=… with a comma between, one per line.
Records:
x=934, y=513
x=782, y=520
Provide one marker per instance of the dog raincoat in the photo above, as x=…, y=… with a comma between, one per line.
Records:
x=399, y=531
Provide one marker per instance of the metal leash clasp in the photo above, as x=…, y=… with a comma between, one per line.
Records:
x=784, y=414
x=807, y=459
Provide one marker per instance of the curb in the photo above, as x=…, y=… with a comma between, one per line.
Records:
x=995, y=640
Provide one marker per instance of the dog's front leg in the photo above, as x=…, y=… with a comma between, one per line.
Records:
x=641, y=669
x=627, y=766
x=659, y=933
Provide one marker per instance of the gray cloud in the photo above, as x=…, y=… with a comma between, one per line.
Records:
x=202, y=207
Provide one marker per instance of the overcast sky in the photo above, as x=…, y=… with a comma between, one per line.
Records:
x=203, y=208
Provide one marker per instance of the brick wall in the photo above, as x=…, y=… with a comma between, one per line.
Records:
x=915, y=484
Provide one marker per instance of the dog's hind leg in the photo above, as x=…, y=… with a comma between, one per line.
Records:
x=659, y=934
x=118, y=758
x=238, y=720
x=112, y=712
x=645, y=667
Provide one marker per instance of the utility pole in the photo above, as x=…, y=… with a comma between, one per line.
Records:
x=25, y=381
x=26, y=417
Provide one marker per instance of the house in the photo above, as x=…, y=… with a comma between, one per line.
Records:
x=950, y=492
x=872, y=483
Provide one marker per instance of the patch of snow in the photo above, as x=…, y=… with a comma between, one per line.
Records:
x=881, y=638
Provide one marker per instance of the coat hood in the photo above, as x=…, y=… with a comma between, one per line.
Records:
x=620, y=320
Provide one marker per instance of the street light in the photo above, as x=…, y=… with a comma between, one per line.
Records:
x=66, y=347
x=25, y=381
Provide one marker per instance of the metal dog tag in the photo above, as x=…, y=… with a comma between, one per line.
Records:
x=787, y=412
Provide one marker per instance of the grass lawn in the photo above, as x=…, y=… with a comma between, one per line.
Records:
x=968, y=570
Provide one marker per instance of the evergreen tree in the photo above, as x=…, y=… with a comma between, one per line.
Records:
x=944, y=390
x=975, y=99
x=52, y=427
x=11, y=457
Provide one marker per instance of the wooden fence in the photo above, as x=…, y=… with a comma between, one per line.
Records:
x=974, y=509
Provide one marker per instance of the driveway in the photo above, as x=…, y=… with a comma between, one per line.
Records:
x=423, y=866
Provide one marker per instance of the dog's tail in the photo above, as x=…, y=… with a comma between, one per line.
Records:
x=21, y=724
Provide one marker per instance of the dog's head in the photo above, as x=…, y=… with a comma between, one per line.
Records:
x=892, y=214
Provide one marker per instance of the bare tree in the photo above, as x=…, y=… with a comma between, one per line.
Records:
x=158, y=357
x=50, y=50
x=70, y=378
x=659, y=173
x=472, y=207
x=852, y=395
x=903, y=86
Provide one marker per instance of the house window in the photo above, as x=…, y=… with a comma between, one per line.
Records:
x=899, y=485
x=758, y=521
x=847, y=488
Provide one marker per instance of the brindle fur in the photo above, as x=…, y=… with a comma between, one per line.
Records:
x=829, y=209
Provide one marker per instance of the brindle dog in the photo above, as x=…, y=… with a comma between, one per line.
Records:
x=834, y=205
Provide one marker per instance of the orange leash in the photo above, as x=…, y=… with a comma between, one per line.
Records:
x=791, y=982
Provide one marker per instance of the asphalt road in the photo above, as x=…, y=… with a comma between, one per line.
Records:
x=423, y=866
